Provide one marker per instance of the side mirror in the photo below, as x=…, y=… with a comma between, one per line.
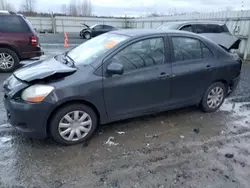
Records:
x=115, y=68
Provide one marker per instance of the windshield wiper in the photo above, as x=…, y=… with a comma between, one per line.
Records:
x=65, y=59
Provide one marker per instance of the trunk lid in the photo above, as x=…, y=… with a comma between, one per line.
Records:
x=226, y=40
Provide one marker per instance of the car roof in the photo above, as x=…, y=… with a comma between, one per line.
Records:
x=197, y=22
x=145, y=32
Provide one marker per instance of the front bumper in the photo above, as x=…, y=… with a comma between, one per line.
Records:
x=28, y=118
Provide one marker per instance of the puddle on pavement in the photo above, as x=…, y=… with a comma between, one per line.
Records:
x=240, y=113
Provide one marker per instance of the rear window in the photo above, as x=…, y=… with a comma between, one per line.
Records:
x=13, y=24
x=212, y=28
x=209, y=28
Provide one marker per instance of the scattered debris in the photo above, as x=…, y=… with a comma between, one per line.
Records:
x=148, y=145
x=120, y=133
x=172, y=142
x=110, y=142
x=182, y=136
x=152, y=136
x=197, y=131
x=229, y=155
x=205, y=149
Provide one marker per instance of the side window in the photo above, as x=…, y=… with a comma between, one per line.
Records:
x=186, y=28
x=207, y=54
x=141, y=54
x=2, y=26
x=199, y=28
x=13, y=24
x=98, y=27
x=186, y=48
x=107, y=27
x=212, y=28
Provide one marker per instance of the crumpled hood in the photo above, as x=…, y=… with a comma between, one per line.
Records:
x=225, y=40
x=85, y=25
x=42, y=69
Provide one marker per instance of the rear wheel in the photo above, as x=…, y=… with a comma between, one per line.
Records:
x=9, y=61
x=73, y=124
x=214, y=97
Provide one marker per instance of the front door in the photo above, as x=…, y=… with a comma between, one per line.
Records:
x=193, y=69
x=97, y=30
x=145, y=84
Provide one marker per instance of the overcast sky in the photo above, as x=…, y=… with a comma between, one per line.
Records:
x=142, y=7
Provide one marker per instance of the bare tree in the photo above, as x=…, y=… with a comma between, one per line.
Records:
x=64, y=9
x=85, y=7
x=4, y=5
x=73, y=10
x=28, y=6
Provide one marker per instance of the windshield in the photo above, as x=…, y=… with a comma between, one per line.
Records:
x=169, y=25
x=91, y=50
x=93, y=26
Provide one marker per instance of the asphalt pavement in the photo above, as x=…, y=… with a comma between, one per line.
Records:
x=180, y=148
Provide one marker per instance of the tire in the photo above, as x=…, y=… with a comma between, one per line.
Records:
x=59, y=117
x=217, y=99
x=14, y=60
x=87, y=35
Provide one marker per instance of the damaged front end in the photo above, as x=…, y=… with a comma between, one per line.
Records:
x=40, y=72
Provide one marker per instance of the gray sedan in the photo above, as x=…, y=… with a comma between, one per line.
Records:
x=118, y=75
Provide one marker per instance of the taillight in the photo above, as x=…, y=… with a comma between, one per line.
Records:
x=34, y=41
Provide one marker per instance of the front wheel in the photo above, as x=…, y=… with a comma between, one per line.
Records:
x=87, y=35
x=73, y=124
x=213, y=97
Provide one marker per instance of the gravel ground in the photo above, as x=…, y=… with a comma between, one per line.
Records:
x=180, y=148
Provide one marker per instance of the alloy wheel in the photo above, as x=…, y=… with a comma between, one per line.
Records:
x=6, y=61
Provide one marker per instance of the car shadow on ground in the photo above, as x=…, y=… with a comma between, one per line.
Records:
x=127, y=125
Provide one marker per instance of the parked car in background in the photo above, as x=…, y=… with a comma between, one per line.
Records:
x=118, y=75
x=216, y=31
x=95, y=30
x=18, y=41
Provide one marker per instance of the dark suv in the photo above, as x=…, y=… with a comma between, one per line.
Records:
x=18, y=41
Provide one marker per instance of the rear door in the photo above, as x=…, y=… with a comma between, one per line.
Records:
x=145, y=84
x=14, y=30
x=193, y=68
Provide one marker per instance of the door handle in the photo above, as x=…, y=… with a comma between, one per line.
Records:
x=208, y=67
x=164, y=75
